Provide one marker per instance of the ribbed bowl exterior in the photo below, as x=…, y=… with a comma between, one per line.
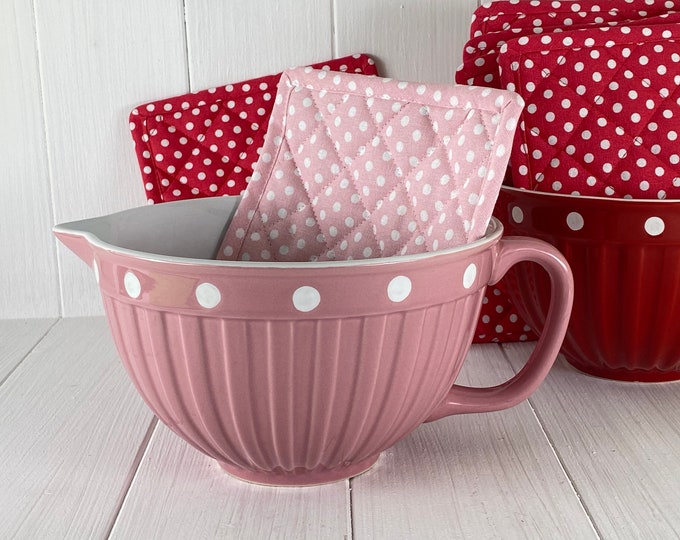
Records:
x=294, y=377
x=625, y=258
x=292, y=397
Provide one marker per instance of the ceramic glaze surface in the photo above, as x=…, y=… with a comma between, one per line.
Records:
x=624, y=255
x=299, y=373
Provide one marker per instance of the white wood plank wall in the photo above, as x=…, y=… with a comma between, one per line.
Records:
x=71, y=71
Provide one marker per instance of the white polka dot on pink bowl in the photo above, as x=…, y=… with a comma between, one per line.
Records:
x=357, y=167
x=601, y=111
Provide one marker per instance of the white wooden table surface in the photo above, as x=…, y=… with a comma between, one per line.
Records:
x=81, y=456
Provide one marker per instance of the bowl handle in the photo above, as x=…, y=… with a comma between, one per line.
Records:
x=511, y=250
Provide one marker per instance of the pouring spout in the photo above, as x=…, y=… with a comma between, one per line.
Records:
x=77, y=243
x=190, y=228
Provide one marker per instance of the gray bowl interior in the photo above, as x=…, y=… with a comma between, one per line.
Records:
x=190, y=229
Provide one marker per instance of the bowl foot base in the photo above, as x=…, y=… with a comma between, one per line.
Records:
x=624, y=374
x=300, y=477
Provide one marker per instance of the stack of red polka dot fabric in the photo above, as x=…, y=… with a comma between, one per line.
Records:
x=496, y=23
x=599, y=81
x=204, y=144
x=599, y=85
x=602, y=111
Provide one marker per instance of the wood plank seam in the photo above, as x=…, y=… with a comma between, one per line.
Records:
x=28, y=352
x=572, y=482
x=350, y=510
x=185, y=29
x=565, y=470
x=334, y=34
x=48, y=158
x=136, y=463
x=47, y=154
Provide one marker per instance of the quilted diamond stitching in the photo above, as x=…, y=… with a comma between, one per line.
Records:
x=633, y=137
x=480, y=63
x=403, y=183
x=533, y=140
x=230, y=166
x=231, y=158
x=243, y=227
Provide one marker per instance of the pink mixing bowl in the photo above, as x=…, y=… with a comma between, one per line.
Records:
x=299, y=373
x=625, y=256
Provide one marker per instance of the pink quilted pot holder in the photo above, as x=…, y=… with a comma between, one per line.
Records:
x=357, y=167
x=496, y=16
x=602, y=110
x=205, y=143
x=480, y=60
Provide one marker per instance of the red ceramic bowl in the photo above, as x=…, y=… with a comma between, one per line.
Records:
x=625, y=257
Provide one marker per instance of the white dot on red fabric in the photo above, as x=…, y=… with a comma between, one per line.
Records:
x=638, y=82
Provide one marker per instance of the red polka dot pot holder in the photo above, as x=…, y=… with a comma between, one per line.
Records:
x=364, y=167
x=499, y=321
x=499, y=22
x=499, y=15
x=205, y=143
x=602, y=110
x=480, y=57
